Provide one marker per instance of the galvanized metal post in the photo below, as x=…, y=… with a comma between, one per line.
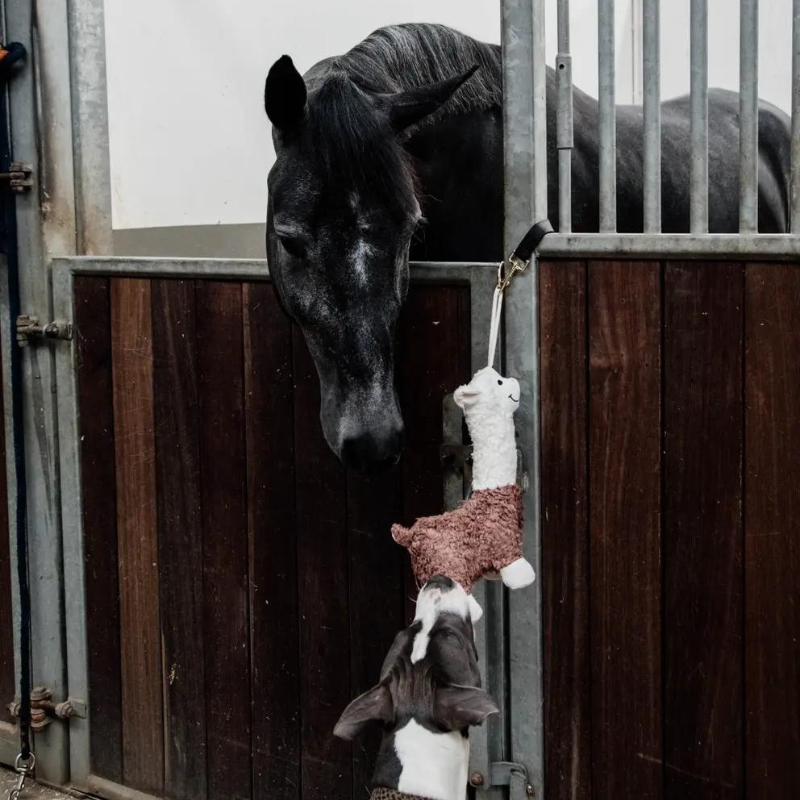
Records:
x=608, y=117
x=41, y=132
x=748, y=118
x=564, y=126
x=651, y=45
x=699, y=112
x=524, y=76
x=795, y=222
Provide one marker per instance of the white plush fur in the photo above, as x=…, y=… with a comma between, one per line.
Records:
x=489, y=401
x=434, y=765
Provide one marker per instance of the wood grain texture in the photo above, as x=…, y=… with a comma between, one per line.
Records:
x=772, y=532
x=703, y=530
x=180, y=535
x=223, y=487
x=98, y=473
x=324, y=607
x=274, y=623
x=624, y=490
x=433, y=359
x=7, y=675
x=132, y=359
x=565, y=534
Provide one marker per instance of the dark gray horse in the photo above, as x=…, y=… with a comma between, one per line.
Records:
x=403, y=132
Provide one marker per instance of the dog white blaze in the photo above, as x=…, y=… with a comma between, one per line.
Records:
x=432, y=602
x=433, y=765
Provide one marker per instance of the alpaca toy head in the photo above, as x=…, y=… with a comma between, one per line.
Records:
x=488, y=392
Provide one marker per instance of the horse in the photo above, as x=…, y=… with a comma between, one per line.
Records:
x=394, y=152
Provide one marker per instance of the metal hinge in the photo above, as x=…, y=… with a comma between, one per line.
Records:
x=505, y=773
x=29, y=329
x=44, y=710
x=19, y=177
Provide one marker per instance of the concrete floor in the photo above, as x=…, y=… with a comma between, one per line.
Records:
x=32, y=791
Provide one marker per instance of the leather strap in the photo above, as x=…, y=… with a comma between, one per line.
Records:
x=392, y=794
x=532, y=239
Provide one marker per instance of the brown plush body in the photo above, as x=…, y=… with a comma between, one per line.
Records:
x=483, y=535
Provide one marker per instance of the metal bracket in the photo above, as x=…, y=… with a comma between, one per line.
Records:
x=18, y=177
x=506, y=773
x=29, y=329
x=44, y=710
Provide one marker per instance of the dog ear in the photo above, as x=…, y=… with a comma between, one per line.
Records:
x=475, y=610
x=458, y=707
x=373, y=706
x=465, y=396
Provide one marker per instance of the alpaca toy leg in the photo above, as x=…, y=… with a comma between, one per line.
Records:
x=518, y=574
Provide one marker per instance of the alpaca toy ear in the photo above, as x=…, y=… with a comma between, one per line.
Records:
x=465, y=396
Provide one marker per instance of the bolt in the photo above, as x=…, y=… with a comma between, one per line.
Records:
x=476, y=779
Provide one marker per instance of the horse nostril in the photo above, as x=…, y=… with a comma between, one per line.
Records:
x=373, y=453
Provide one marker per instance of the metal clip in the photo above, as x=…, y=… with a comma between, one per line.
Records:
x=516, y=265
x=23, y=768
x=18, y=177
x=28, y=328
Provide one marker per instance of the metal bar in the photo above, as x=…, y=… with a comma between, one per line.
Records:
x=608, y=117
x=699, y=115
x=772, y=247
x=795, y=202
x=90, y=127
x=564, y=116
x=651, y=45
x=41, y=132
x=539, y=113
x=748, y=118
x=524, y=202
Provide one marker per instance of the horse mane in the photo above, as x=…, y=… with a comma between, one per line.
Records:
x=402, y=57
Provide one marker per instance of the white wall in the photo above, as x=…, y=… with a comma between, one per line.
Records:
x=190, y=143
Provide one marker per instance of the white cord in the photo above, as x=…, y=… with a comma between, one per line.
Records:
x=494, y=328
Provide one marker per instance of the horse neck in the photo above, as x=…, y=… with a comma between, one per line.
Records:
x=494, y=450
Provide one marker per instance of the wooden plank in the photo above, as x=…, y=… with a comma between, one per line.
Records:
x=702, y=530
x=223, y=485
x=275, y=643
x=132, y=360
x=7, y=675
x=772, y=532
x=98, y=470
x=433, y=359
x=180, y=536
x=624, y=507
x=323, y=592
x=565, y=533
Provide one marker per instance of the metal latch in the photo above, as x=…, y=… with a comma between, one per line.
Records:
x=44, y=710
x=28, y=329
x=506, y=773
x=18, y=177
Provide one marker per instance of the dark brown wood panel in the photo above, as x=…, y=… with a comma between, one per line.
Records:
x=7, y=680
x=324, y=607
x=433, y=359
x=772, y=532
x=565, y=534
x=275, y=644
x=223, y=483
x=132, y=360
x=703, y=530
x=180, y=536
x=96, y=399
x=624, y=497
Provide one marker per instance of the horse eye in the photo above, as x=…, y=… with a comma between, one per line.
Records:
x=499, y=383
x=293, y=246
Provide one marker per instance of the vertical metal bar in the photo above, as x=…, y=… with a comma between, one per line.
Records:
x=796, y=118
x=608, y=117
x=41, y=132
x=699, y=113
x=539, y=113
x=748, y=118
x=564, y=135
x=523, y=56
x=90, y=115
x=651, y=46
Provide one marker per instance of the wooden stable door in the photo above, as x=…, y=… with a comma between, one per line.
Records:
x=241, y=586
x=671, y=530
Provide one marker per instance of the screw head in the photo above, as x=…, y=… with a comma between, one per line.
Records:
x=476, y=779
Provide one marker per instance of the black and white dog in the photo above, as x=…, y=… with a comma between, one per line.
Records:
x=428, y=696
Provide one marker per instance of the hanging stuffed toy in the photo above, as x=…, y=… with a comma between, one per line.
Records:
x=483, y=537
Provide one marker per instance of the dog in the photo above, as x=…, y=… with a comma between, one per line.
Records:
x=428, y=696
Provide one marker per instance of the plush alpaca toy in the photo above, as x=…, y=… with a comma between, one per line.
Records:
x=483, y=536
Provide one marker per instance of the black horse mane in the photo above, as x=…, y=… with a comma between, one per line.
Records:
x=349, y=138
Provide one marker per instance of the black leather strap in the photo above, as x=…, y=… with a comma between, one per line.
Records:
x=524, y=250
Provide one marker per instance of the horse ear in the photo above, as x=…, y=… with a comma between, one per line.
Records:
x=407, y=108
x=285, y=94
